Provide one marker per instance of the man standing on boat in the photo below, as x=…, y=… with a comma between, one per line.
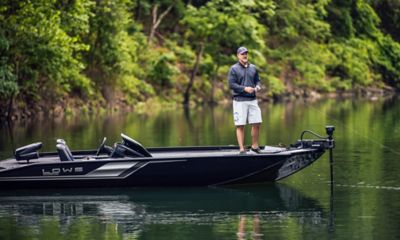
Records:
x=244, y=82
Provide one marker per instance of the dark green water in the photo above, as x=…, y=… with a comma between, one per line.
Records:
x=365, y=203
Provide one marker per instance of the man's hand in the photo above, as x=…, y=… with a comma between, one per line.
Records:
x=249, y=89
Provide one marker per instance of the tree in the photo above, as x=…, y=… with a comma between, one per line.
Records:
x=157, y=20
x=361, y=26
x=298, y=20
x=218, y=28
x=8, y=84
x=389, y=13
x=113, y=56
x=158, y=11
x=352, y=18
x=42, y=53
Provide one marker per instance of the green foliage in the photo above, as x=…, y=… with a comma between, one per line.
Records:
x=8, y=84
x=365, y=20
x=115, y=46
x=311, y=60
x=339, y=17
x=295, y=20
x=352, y=18
x=99, y=49
x=353, y=65
x=367, y=56
x=220, y=26
x=275, y=85
x=42, y=54
x=107, y=32
x=387, y=61
x=389, y=13
x=163, y=69
x=357, y=54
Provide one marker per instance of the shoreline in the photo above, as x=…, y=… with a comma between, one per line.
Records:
x=74, y=107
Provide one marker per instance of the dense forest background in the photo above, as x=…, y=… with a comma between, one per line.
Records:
x=66, y=53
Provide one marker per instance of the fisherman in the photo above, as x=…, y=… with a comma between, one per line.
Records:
x=244, y=82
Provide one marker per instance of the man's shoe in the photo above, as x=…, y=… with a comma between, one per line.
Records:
x=256, y=150
x=242, y=152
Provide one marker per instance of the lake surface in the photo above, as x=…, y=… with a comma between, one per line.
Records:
x=364, y=204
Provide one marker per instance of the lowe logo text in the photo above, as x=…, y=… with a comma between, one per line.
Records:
x=58, y=171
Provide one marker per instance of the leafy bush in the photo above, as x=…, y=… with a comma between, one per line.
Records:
x=8, y=84
x=353, y=63
x=311, y=60
x=388, y=61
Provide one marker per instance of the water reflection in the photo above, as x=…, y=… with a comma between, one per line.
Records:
x=366, y=172
x=219, y=213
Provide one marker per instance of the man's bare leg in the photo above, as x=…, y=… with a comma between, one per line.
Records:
x=255, y=132
x=240, y=136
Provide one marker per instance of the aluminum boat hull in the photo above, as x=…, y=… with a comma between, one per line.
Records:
x=169, y=167
x=129, y=164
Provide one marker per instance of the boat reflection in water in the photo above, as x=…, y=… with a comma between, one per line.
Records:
x=196, y=213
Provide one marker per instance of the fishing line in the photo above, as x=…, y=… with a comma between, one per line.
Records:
x=338, y=123
x=368, y=186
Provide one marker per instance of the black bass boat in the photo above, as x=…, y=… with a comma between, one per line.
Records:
x=129, y=164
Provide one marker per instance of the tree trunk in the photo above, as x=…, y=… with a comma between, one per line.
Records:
x=156, y=21
x=214, y=77
x=186, y=95
x=10, y=107
x=137, y=11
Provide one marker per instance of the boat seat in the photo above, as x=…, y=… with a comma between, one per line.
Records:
x=63, y=142
x=28, y=152
x=63, y=152
x=120, y=150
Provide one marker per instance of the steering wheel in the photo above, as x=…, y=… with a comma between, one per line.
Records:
x=101, y=146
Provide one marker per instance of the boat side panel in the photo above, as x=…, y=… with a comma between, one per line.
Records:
x=297, y=163
x=201, y=171
x=194, y=171
x=178, y=172
x=75, y=168
x=291, y=165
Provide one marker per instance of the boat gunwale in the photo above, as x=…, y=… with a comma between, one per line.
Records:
x=16, y=165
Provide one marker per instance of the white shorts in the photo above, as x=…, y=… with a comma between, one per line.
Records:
x=246, y=111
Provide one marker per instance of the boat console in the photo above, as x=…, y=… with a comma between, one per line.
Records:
x=129, y=147
x=120, y=150
x=28, y=152
x=134, y=145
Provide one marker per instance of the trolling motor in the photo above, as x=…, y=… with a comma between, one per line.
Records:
x=319, y=143
x=329, y=131
x=322, y=143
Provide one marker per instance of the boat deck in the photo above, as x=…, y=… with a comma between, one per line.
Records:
x=212, y=152
x=157, y=153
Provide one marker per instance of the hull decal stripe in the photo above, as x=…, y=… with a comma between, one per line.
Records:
x=111, y=169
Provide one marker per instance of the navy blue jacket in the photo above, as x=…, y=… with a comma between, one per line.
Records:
x=240, y=77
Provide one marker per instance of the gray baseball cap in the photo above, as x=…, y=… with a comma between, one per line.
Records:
x=242, y=50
